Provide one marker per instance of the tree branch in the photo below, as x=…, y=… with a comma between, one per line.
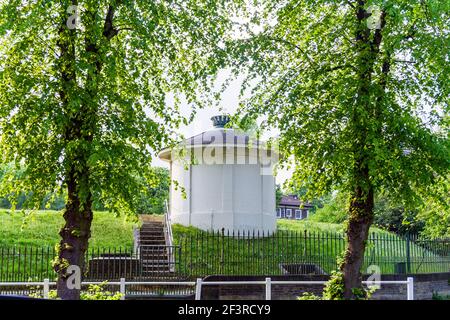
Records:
x=276, y=39
x=404, y=61
x=312, y=62
x=108, y=28
x=125, y=28
x=378, y=36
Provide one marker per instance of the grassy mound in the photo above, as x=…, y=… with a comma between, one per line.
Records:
x=40, y=228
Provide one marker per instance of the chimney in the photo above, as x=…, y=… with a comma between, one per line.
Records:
x=220, y=121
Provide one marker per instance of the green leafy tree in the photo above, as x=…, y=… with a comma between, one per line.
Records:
x=278, y=194
x=434, y=212
x=356, y=89
x=84, y=87
x=334, y=209
x=154, y=196
x=396, y=218
x=151, y=198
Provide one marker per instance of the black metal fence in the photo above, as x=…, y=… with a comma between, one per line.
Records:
x=286, y=252
x=201, y=253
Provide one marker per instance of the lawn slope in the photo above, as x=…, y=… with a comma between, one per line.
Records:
x=40, y=228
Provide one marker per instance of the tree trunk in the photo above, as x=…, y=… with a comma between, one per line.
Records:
x=360, y=219
x=362, y=197
x=78, y=212
x=74, y=239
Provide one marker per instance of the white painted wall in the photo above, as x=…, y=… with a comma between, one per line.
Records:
x=229, y=189
x=230, y=196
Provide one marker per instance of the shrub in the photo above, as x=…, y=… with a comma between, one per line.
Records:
x=97, y=292
x=309, y=296
x=333, y=210
x=334, y=290
x=396, y=218
x=94, y=292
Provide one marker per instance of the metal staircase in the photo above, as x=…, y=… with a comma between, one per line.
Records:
x=156, y=252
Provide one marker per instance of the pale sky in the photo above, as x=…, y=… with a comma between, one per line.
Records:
x=202, y=121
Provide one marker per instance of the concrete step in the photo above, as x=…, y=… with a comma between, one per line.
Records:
x=156, y=265
x=153, y=250
x=152, y=244
x=153, y=253
x=152, y=232
x=152, y=235
x=154, y=261
x=152, y=226
x=152, y=238
x=149, y=237
x=154, y=258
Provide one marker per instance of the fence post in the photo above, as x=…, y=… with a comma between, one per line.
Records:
x=268, y=289
x=410, y=288
x=122, y=288
x=198, y=289
x=46, y=288
x=179, y=258
x=408, y=253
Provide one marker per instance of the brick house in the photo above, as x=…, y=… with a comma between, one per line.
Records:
x=290, y=207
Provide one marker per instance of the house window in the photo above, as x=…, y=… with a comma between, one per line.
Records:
x=288, y=213
x=278, y=212
x=304, y=214
x=298, y=214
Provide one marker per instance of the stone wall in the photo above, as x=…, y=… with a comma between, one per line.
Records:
x=424, y=286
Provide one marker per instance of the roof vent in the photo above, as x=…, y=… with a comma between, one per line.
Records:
x=220, y=121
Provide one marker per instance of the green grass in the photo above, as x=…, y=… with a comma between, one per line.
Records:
x=27, y=241
x=40, y=229
x=205, y=253
x=437, y=296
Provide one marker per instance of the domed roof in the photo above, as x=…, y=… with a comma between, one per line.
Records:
x=217, y=137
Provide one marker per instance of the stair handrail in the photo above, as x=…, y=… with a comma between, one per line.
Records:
x=136, y=241
x=169, y=237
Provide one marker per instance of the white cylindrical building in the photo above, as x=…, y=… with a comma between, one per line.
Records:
x=222, y=179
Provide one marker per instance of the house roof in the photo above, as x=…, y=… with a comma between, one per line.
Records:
x=223, y=138
x=220, y=137
x=294, y=201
